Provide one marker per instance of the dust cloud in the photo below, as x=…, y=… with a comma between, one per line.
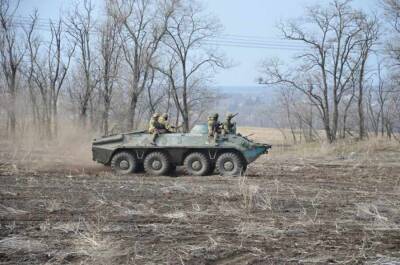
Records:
x=69, y=151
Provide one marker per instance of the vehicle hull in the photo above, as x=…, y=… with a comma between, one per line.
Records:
x=177, y=146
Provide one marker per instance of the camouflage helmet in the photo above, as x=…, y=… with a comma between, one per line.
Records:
x=215, y=115
x=165, y=116
x=229, y=116
x=156, y=115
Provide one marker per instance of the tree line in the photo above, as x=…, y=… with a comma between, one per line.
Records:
x=345, y=81
x=98, y=67
x=111, y=67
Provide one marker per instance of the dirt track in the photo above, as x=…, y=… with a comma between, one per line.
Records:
x=286, y=210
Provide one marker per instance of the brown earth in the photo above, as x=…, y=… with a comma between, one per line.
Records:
x=287, y=209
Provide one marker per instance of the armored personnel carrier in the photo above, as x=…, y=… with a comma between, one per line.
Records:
x=128, y=152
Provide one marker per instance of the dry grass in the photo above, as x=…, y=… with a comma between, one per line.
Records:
x=308, y=203
x=15, y=244
x=72, y=148
x=345, y=149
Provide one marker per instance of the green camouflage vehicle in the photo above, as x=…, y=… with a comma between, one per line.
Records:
x=128, y=152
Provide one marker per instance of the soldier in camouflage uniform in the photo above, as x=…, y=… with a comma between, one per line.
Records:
x=228, y=126
x=165, y=125
x=155, y=127
x=213, y=127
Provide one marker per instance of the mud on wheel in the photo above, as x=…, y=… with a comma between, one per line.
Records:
x=123, y=163
x=157, y=163
x=230, y=164
x=196, y=164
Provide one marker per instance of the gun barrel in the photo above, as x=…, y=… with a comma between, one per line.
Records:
x=268, y=146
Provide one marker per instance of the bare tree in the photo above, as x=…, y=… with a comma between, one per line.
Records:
x=390, y=115
x=348, y=100
x=47, y=71
x=58, y=61
x=144, y=23
x=392, y=14
x=331, y=60
x=105, y=66
x=187, y=31
x=110, y=49
x=80, y=27
x=155, y=96
x=368, y=40
x=33, y=46
x=380, y=99
x=11, y=54
x=286, y=99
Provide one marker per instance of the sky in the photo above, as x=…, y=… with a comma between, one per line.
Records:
x=250, y=31
x=259, y=19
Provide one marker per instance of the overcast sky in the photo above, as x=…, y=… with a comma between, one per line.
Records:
x=250, y=32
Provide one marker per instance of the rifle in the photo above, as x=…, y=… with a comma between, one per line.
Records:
x=177, y=127
x=233, y=116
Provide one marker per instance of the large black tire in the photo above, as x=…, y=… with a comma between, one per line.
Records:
x=157, y=163
x=196, y=164
x=229, y=164
x=123, y=163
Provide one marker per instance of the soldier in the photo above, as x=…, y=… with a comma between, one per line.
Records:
x=213, y=127
x=165, y=125
x=154, y=127
x=228, y=127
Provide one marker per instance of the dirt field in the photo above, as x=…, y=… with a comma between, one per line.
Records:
x=292, y=207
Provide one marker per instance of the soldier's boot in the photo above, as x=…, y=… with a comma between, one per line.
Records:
x=210, y=139
x=216, y=139
x=154, y=138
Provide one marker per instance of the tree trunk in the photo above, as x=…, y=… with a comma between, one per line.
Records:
x=185, y=114
x=328, y=131
x=361, y=128
x=83, y=116
x=106, y=116
x=132, y=111
x=335, y=118
x=383, y=124
x=326, y=122
x=48, y=120
x=12, y=116
x=311, y=126
x=185, y=118
x=361, y=122
x=55, y=119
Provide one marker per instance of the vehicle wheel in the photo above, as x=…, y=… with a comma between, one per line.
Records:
x=196, y=164
x=156, y=163
x=124, y=163
x=229, y=164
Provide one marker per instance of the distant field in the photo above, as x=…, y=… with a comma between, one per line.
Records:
x=267, y=135
x=367, y=149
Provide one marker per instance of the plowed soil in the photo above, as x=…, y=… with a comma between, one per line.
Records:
x=286, y=209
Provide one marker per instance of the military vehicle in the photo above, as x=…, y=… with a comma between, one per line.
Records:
x=128, y=152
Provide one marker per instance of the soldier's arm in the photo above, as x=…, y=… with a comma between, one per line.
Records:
x=169, y=127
